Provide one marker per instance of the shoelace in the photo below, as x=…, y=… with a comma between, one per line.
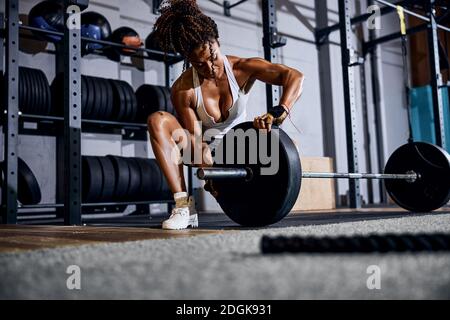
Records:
x=175, y=211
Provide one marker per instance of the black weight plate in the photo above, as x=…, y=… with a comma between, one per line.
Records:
x=21, y=90
x=149, y=189
x=157, y=178
x=57, y=98
x=91, y=110
x=97, y=99
x=109, y=179
x=122, y=176
x=49, y=96
x=104, y=94
x=119, y=103
x=164, y=98
x=128, y=111
x=271, y=194
x=146, y=99
x=432, y=190
x=161, y=98
x=35, y=92
x=41, y=91
x=28, y=103
x=163, y=92
x=46, y=93
x=169, y=104
x=92, y=179
x=150, y=99
x=133, y=103
x=28, y=191
x=83, y=96
x=3, y=89
x=101, y=94
x=164, y=191
x=134, y=188
x=108, y=99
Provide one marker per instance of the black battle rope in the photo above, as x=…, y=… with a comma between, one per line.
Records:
x=357, y=244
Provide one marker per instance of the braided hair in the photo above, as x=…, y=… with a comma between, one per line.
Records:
x=182, y=27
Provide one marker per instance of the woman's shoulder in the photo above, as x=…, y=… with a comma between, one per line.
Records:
x=234, y=60
x=184, y=81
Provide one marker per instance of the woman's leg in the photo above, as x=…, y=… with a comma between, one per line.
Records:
x=161, y=126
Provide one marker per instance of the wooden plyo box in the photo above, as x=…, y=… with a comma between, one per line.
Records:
x=316, y=194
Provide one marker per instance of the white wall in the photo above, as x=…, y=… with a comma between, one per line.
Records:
x=240, y=35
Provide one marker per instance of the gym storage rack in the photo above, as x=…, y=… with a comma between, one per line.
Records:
x=71, y=124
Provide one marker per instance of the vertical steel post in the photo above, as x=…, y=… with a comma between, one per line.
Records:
x=11, y=118
x=377, y=93
x=270, y=53
x=349, y=100
x=365, y=106
x=326, y=86
x=72, y=115
x=436, y=76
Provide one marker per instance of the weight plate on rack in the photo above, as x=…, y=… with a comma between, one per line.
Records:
x=169, y=104
x=92, y=178
x=21, y=90
x=150, y=99
x=28, y=92
x=432, y=190
x=36, y=91
x=122, y=176
x=159, y=179
x=128, y=111
x=109, y=179
x=40, y=90
x=57, y=95
x=47, y=94
x=96, y=101
x=149, y=187
x=133, y=104
x=119, y=103
x=108, y=99
x=28, y=191
x=135, y=179
x=90, y=110
x=101, y=94
x=83, y=97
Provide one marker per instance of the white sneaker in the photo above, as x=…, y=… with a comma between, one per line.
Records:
x=181, y=218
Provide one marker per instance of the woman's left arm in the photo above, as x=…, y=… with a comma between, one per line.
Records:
x=276, y=74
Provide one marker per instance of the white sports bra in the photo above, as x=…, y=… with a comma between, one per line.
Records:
x=212, y=130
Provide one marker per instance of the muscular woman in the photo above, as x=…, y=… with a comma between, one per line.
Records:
x=209, y=96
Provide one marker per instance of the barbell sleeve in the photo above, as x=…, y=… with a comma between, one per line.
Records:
x=331, y=175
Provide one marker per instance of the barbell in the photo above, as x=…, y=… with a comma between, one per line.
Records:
x=416, y=176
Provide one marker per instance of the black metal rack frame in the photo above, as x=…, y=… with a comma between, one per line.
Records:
x=69, y=145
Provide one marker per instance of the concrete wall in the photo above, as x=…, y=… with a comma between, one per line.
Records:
x=240, y=35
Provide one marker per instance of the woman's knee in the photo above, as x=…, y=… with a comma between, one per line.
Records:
x=157, y=121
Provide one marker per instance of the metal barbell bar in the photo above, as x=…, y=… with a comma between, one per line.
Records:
x=246, y=173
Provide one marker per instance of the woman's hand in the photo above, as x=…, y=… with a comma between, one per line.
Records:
x=276, y=115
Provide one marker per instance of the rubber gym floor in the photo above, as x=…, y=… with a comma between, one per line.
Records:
x=132, y=258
